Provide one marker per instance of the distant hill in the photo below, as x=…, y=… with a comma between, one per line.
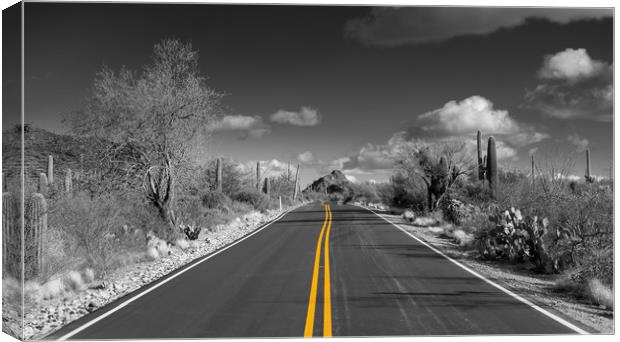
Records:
x=334, y=182
x=38, y=145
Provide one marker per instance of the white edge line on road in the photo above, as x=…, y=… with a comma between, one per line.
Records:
x=126, y=302
x=512, y=294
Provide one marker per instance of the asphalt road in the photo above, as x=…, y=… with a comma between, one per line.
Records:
x=378, y=281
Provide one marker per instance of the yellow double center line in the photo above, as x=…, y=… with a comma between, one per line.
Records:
x=327, y=301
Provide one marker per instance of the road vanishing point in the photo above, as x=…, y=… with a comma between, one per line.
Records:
x=320, y=270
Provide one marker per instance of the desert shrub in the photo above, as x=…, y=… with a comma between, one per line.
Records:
x=91, y=225
x=599, y=293
x=475, y=193
x=253, y=197
x=240, y=207
x=362, y=192
x=408, y=216
x=215, y=200
x=191, y=212
x=455, y=211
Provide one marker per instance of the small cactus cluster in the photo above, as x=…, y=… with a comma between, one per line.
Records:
x=191, y=231
x=518, y=238
x=46, y=184
x=487, y=165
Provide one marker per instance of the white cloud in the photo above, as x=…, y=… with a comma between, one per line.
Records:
x=574, y=86
x=579, y=142
x=505, y=152
x=237, y=123
x=389, y=26
x=370, y=157
x=306, y=116
x=464, y=118
x=306, y=157
x=571, y=65
x=468, y=116
x=351, y=178
x=248, y=126
x=257, y=133
x=532, y=151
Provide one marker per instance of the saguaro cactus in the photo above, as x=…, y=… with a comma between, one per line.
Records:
x=481, y=166
x=218, y=175
x=295, y=187
x=50, y=169
x=43, y=185
x=588, y=176
x=288, y=172
x=36, y=225
x=68, y=181
x=491, y=172
x=9, y=228
x=258, y=175
x=533, y=172
x=266, y=186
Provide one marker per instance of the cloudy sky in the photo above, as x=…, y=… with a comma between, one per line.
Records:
x=343, y=87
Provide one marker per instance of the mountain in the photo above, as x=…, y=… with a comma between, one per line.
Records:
x=334, y=182
x=38, y=145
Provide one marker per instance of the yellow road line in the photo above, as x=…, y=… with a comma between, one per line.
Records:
x=315, y=280
x=327, y=295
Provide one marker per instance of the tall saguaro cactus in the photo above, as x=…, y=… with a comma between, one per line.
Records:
x=68, y=181
x=9, y=231
x=481, y=166
x=491, y=172
x=50, y=169
x=43, y=185
x=588, y=176
x=295, y=187
x=258, y=175
x=533, y=171
x=266, y=186
x=36, y=225
x=218, y=175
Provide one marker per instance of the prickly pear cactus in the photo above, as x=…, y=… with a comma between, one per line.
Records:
x=518, y=238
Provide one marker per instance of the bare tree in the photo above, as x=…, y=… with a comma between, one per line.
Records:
x=152, y=120
x=437, y=164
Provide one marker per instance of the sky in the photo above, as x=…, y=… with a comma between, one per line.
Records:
x=344, y=87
